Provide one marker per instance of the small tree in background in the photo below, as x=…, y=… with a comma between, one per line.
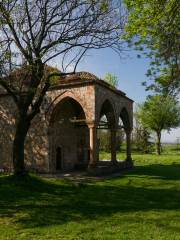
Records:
x=111, y=79
x=104, y=140
x=159, y=113
x=120, y=139
x=141, y=137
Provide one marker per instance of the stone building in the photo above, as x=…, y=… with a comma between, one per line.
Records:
x=64, y=135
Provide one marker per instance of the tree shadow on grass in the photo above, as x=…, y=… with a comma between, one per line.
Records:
x=164, y=172
x=35, y=202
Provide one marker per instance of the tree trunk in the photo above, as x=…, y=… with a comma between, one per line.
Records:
x=22, y=127
x=158, y=143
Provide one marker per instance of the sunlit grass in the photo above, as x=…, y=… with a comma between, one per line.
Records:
x=141, y=204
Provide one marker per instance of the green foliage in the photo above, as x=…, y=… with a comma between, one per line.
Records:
x=104, y=139
x=120, y=139
x=54, y=80
x=155, y=25
x=141, y=137
x=162, y=84
x=159, y=113
x=111, y=79
x=104, y=5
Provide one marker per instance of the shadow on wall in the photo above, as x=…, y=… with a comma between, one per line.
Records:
x=36, y=141
x=7, y=131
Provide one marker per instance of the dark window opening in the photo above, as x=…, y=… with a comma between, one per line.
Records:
x=58, y=158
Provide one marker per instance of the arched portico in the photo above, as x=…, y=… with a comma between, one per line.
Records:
x=61, y=96
x=68, y=136
x=80, y=109
x=107, y=122
x=127, y=126
x=64, y=133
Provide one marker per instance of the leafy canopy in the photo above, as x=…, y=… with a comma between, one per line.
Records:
x=154, y=27
x=159, y=113
x=111, y=79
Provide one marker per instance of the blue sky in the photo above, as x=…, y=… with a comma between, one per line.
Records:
x=130, y=71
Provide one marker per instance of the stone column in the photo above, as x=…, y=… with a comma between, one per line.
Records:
x=113, y=146
x=128, y=145
x=93, y=146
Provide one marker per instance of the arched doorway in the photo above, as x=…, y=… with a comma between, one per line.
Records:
x=125, y=126
x=124, y=116
x=59, y=159
x=106, y=128
x=68, y=136
x=121, y=139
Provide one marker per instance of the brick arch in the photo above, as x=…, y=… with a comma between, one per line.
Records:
x=64, y=134
x=124, y=114
x=100, y=106
x=59, y=98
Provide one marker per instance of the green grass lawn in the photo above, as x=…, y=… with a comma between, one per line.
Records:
x=141, y=204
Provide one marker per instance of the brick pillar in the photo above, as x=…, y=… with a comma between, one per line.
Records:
x=128, y=145
x=113, y=146
x=93, y=146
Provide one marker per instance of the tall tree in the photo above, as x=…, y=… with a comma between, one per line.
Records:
x=32, y=33
x=153, y=27
x=159, y=113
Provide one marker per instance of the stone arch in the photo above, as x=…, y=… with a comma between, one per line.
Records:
x=69, y=134
x=78, y=109
x=59, y=98
x=107, y=108
x=127, y=125
x=106, y=126
x=126, y=119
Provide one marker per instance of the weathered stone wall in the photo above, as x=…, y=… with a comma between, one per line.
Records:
x=7, y=122
x=84, y=95
x=39, y=155
x=36, y=144
x=42, y=139
x=66, y=137
x=73, y=152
